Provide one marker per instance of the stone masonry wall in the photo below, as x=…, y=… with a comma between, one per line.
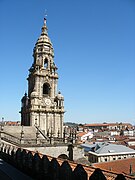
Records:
x=58, y=150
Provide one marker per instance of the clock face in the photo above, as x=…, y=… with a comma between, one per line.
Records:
x=47, y=102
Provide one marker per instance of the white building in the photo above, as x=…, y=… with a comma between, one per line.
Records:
x=128, y=132
x=109, y=152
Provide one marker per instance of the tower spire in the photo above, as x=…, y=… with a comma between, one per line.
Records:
x=43, y=102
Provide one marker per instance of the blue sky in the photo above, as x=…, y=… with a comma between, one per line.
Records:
x=94, y=45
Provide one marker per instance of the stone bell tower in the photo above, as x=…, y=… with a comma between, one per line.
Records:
x=43, y=105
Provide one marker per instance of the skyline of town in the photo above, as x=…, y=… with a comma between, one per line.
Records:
x=94, y=53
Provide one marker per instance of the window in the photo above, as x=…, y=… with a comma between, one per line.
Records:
x=45, y=63
x=46, y=89
x=39, y=49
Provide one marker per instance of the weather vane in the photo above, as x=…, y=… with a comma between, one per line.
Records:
x=45, y=13
x=45, y=17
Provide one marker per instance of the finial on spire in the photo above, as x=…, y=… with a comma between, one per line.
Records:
x=44, y=28
x=44, y=21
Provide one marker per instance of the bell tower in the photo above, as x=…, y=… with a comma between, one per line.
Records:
x=44, y=105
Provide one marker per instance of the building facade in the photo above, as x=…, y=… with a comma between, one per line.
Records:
x=105, y=152
x=108, y=126
x=43, y=106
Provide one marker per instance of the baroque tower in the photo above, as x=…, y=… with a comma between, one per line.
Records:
x=43, y=106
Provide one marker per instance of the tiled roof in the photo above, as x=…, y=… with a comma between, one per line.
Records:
x=120, y=138
x=113, y=148
x=114, y=124
x=118, y=166
x=12, y=123
x=86, y=125
x=132, y=147
x=131, y=139
x=81, y=134
x=107, y=124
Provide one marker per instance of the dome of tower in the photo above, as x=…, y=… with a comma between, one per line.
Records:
x=34, y=94
x=44, y=39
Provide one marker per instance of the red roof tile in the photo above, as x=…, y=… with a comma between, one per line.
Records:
x=87, y=125
x=118, y=166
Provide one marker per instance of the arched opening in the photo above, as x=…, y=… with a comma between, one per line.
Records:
x=46, y=89
x=45, y=63
x=63, y=156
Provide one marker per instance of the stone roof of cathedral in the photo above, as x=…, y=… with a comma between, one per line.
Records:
x=90, y=170
x=29, y=131
x=109, y=174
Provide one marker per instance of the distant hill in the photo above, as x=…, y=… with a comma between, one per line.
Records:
x=70, y=124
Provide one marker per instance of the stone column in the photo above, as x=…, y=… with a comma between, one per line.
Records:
x=47, y=124
x=61, y=125
x=54, y=125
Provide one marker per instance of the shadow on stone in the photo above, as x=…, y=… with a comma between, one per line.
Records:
x=97, y=175
x=79, y=173
x=120, y=177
